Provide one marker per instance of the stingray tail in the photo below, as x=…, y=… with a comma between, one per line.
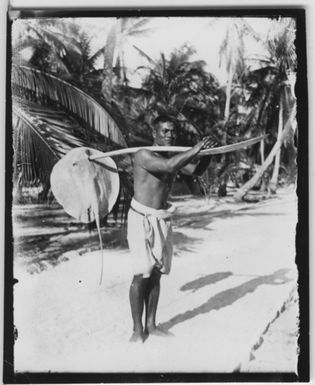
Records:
x=97, y=220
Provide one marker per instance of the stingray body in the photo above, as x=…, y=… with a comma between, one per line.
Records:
x=86, y=189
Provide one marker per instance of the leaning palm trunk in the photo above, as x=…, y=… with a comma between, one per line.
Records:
x=275, y=173
x=276, y=148
x=263, y=186
x=262, y=151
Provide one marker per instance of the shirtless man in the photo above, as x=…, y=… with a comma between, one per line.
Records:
x=149, y=224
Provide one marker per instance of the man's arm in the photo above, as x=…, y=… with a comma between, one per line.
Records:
x=198, y=168
x=156, y=164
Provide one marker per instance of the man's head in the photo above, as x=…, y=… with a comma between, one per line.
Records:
x=164, y=131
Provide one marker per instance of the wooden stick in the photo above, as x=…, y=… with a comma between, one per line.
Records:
x=210, y=151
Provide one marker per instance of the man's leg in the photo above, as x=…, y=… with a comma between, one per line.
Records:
x=151, y=302
x=137, y=297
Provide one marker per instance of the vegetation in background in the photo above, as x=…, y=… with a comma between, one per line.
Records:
x=60, y=100
x=51, y=115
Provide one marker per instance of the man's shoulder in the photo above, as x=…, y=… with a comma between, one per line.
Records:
x=144, y=153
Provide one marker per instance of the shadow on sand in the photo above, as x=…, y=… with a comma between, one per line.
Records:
x=227, y=297
x=43, y=250
x=204, y=281
x=203, y=219
x=183, y=242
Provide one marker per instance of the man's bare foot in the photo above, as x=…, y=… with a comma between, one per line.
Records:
x=137, y=337
x=158, y=331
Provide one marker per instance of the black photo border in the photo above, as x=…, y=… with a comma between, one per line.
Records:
x=302, y=229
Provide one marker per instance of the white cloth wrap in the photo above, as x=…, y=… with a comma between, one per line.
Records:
x=149, y=235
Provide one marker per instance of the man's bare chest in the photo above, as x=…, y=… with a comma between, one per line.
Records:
x=157, y=179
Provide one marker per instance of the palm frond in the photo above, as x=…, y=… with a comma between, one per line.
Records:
x=27, y=42
x=97, y=54
x=33, y=156
x=69, y=42
x=142, y=53
x=42, y=135
x=249, y=30
x=136, y=24
x=140, y=32
x=44, y=86
x=58, y=66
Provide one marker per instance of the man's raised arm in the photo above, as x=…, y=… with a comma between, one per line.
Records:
x=156, y=164
x=198, y=168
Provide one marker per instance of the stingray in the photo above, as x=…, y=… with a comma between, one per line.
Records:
x=86, y=189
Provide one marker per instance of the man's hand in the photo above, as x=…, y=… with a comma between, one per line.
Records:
x=206, y=142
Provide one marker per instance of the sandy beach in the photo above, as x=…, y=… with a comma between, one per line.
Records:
x=230, y=301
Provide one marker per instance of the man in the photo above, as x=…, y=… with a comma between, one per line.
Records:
x=149, y=223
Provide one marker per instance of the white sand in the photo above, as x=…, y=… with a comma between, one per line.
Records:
x=229, y=279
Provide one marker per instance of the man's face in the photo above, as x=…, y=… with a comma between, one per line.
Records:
x=164, y=134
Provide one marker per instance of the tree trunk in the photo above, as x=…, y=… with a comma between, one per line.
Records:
x=228, y=95
x=251, y=183
x=262, y=152
x=107, y=83
x=263, y=186
x=222, y=185
x=123, y=64
x=274, y=179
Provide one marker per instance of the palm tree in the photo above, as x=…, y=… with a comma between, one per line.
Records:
x=258, y=85
x=181, y=88
x=290, y=122
x=232, y=54
x=119, y=35
x=50, y=116
x=282, y=52
x=57, y=46
x=277, y=67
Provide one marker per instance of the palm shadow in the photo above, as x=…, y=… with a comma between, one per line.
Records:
x=228, y=297
x=183, y=242
x=205, y=280
x=39, y=251
x=203, y=219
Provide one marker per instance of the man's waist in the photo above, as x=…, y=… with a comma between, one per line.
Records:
x=147, y=210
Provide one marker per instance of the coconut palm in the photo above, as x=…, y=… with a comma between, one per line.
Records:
x=289, y=123
x=57, y=46
x=232, y=54
x=276, y=68
x=181, y=88
x=283, y=60
x=119, y=35
x=50, y=116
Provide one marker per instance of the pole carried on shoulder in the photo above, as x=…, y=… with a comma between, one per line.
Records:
x=210, y=151
x=86, y=182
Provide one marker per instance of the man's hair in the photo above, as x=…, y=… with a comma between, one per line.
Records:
x=163, y=119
